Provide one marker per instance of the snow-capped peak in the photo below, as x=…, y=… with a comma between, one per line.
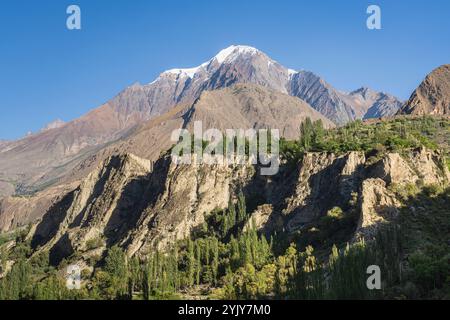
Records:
x=186, y=72
x=227, y=55
x=291, y=72
x=230, y=53
x=189, y=72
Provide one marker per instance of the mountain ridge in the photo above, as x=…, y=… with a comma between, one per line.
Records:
x=432, y=96
x=42, y=159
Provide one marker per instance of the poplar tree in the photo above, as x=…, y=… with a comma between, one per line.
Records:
x=306, y=134
x=116, y=267
x=242, y=210
x=199, y=261
x=235, y=252
x=134, y=275
x=215, y=261
x=232, y=213
x=190, y=262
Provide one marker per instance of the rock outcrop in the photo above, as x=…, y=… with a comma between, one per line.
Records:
x=128, y=202
x=377, y=204
x=260, y=218
x=101, y=210
x=18, y=211
x=186, y=197
x=324, y=181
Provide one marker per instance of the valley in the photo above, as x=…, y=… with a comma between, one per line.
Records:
x=363, y=180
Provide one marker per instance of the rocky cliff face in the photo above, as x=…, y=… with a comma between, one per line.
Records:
x=353, y=182
x=142, y=206
x=19, y=211
x=378, y=203
x=432, y=96
x=324, y=181
x=102, y=208
x=130, y=202
x=183, y=200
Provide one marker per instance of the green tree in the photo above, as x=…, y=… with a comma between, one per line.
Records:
x=191, y=263
x=134, y=272
x=116, y=267
x=306, y=134
x=17, y=284
x=242, y=210
x=215, y=259
x=198, y=265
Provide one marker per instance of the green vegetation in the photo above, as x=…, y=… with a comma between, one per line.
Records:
x=373, y=137
x=33, y=278
x=425, y=218
x=94, y=243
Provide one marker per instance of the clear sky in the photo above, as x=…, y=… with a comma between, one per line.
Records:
x=48, y=72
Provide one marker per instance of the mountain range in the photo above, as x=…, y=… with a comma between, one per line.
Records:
x=49, y=156
x=239, y=88
x=102, y=191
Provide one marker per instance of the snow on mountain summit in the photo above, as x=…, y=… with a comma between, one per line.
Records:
x=246, y=64
x=230, y=53
x=188, y=72
x=226, y=55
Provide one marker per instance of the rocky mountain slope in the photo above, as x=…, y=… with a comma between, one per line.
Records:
x=243, y=64
x=125, y=202
x=44, y=158
x=19, y=211
x=432, y=96
x=39, y=160
x=241, y=106
x=252, y=106
x=338, y=106
x=165, y=204
x=53, y=125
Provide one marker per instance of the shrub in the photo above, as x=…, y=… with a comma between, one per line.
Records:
x=94, y=243
x=431, y=268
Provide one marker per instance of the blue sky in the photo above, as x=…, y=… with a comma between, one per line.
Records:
x=49, y=72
